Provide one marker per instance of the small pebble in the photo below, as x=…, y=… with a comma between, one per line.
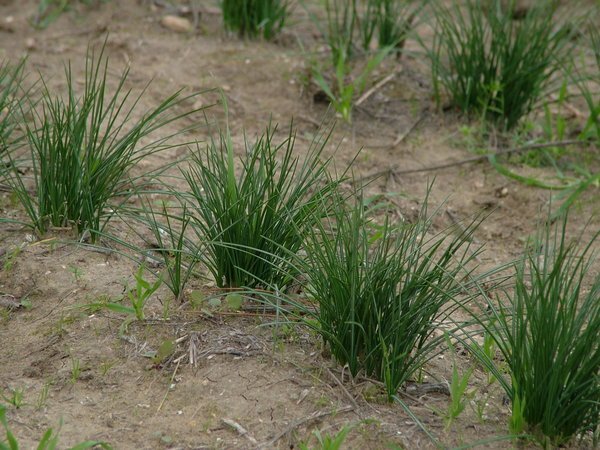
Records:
x=30, y=43
x=177, y=24
x=501, y=192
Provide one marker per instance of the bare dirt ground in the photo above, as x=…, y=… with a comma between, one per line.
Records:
x=279, y=390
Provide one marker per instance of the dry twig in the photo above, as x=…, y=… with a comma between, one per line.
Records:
x=473, y=159
x=377, y=86
x=299, y=422
x=341, y=385
x=168, y=387
x=240, y=429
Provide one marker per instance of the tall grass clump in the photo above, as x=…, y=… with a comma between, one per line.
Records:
x=344, y=75
x=380, y=291
x=548, y=333
x=341, y=20
x=389, y=21
x=492, y=65
x=249, y=213
x=11, y=102
x=82, y=147
x=252, y=18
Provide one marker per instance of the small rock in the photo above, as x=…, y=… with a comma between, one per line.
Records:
x=501, y=192
x=30, y=43
x=177, y=24
x=486, y=202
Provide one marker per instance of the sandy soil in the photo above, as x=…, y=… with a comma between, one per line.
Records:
x=279, y=390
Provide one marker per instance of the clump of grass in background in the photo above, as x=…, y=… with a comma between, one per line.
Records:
x=380, y=291
x=11, y=103
x=392, y=23
x=248, y=219
x=388, y=20
x=588, y=85
x=344, y=83
x=339, y=35
x=548, y=331
x=82, y=148
x=492, y=65
x=251, y=18
x=344, y=75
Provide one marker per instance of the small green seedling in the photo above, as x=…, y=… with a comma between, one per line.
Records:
x=143, y=291
x=328, y=442
x=15, y=398
x=77, y=273
x=517, y=422
x=49, y=440
x=166, y=349
x=196, y=299
x=105, y=367
x=478, y=406
x=138, y=296
x=459, y=396
x=75, y=369
x=488, y=351
x=43, y=396
x=11, y=258
x=234, y=301
x=345, y=88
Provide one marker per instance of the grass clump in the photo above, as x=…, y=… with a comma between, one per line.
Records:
x=548, y=331
x=388, y=20
x=252, y=18
x=11, y=102
x=380, y=291
x=82, y=148
x=492, y=65
x=344, y=75
x=340, y=32
x=588, y=84
x=249, y=219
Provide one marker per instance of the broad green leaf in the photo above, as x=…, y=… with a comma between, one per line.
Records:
x=165, y=350
x=234, y=301
x=214, y=302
